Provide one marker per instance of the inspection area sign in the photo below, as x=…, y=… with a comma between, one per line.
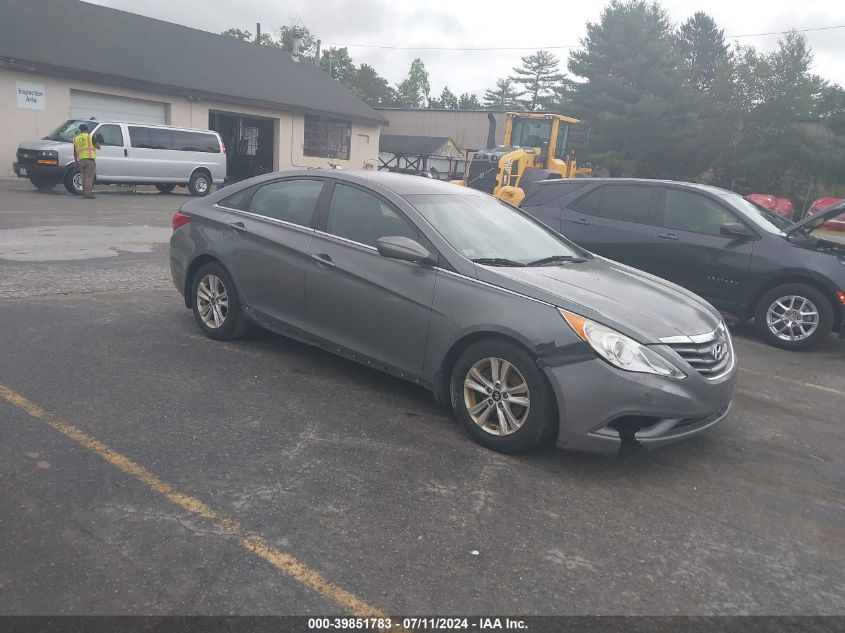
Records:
x=30, y=96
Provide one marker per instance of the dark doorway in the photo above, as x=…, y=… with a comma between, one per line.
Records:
x=250, y=144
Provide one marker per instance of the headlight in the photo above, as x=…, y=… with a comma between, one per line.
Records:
x=619, y=350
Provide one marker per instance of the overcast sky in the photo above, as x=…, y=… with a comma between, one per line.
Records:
x=483, y=23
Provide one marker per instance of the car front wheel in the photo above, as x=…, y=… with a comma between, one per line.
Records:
x=215, y=303
x=502, y=398
x=794, y=316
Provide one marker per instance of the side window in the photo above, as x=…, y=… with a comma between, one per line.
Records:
x=619, y=202
x=195, y=142
x=139, y=137
x=160, y=139
x=110, y=135
x=293, y=201
x=240, y=200
x=363, y=218
x=687, y=211
x=591, y=203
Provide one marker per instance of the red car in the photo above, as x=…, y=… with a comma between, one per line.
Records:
x=837, y=223
x=779, y=206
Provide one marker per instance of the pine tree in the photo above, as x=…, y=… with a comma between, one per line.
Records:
x=502, y=97
x=538, y=76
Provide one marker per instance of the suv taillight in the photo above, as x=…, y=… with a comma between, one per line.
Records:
x=179, y=219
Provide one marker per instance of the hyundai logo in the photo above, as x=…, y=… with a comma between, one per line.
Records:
x=720, y=350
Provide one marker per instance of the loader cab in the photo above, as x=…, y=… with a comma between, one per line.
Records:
x=548, y=134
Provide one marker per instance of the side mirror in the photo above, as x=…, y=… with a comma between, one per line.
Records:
x=404, y=249
x=98, y=139
x=735, y=229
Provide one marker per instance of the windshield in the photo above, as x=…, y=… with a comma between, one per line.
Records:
x=484, y=228
x=66, y=131
x=762, y=219
x=531, y=132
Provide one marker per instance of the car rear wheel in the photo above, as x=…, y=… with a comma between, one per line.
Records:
x=502, y=398
x=199, y=184
x=165, y=188
x=43, y=185
x=215, y=303
x=73, y=181
x=794, y=316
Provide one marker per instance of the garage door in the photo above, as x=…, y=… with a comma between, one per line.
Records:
x=84, y=105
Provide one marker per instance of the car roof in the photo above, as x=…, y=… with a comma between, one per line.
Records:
x=152, y=125
x=400, y=184
x=643, y=181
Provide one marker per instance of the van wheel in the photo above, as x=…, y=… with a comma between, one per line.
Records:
x=73, y=181
x=165, y=188
x=199, y=184
x=502, y=398
x=793, y=316
x=43, y=185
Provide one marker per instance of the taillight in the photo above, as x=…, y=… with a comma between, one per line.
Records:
x=179, y=219
x=223, y=145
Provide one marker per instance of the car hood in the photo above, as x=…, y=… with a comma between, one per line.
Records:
x=815, y=221
x=43, y=144
x=640, y=305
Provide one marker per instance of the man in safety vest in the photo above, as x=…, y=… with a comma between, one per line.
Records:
x=85, y=155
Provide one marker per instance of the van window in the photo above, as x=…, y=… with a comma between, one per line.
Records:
x=160, y=139
x=150, y=138
x=631, y=203
x=139, y=137
x=110, y=135
x=289, y=200
x=185, y=141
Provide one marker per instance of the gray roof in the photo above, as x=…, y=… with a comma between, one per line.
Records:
x=410, y=145
x=88, y=42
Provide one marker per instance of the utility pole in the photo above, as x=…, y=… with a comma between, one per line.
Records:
x=317, y=57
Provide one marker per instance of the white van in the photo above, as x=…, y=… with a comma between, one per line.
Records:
x=130, y=153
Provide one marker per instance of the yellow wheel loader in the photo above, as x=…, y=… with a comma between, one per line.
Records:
x=535, y=149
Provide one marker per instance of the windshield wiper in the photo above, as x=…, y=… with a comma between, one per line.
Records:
x=574, y=259
x=496, y=261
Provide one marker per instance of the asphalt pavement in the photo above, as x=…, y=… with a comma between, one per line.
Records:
x=146, y=469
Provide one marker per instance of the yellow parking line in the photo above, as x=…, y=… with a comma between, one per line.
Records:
x=809, y=385
x=282, y=561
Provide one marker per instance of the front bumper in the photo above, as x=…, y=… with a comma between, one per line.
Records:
x=41, y=172
x=598, y=404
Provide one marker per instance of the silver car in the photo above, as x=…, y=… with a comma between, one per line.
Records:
x=530, y=338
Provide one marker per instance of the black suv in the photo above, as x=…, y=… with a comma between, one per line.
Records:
x=744, y=260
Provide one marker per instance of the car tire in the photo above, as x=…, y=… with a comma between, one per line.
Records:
x=200, y=183
x=215, y=303
x=166, y=188
x=43, y=185
x=782, y=306
x=73, y=181
x=525, y=427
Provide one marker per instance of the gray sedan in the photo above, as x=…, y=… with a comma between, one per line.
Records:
x=530, y=338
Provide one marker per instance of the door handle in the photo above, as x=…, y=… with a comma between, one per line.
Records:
x=580, y=221
x=667, y=236
x=237, y=226
x=125, y=152
x=323, y=259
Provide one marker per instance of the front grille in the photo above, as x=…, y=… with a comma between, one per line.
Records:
x=711, y=355
x=27, y=156
x=482, y=174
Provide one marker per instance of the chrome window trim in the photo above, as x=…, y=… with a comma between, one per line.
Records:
x=258, y=216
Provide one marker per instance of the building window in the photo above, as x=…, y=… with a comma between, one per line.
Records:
x=328, y=138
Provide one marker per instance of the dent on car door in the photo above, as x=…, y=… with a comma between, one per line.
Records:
x=363, y=303
x=267, y=240
x=614, y=221
x=691, y=251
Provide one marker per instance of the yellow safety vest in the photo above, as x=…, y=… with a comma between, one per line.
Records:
x=84, y=145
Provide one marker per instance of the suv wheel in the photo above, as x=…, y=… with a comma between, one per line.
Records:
x=215, y=302
x=199, y=184
x=502, y=398
x=73, y=181
x=43, y=185
x=794, y=316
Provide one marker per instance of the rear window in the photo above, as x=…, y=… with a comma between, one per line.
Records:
x=631, y=203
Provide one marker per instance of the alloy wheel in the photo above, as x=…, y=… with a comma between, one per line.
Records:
x=496, y=396
x=792, y=318
x=212, y=301
x=201, y=184
x=77, y=181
